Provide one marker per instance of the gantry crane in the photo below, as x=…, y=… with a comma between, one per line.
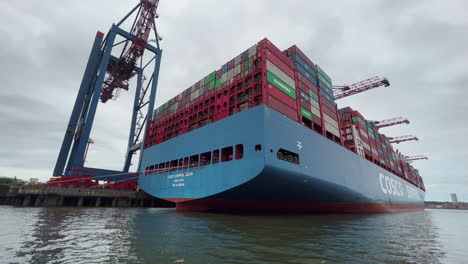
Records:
x=103, y=76
x=391, y=122
x=362, y=86
x=418, y=157
x=402, y=139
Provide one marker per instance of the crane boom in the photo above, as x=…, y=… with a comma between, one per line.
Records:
x=418, y=157
x=391, y=122
x=121, y=71
x=362, y=86
x=402, y=139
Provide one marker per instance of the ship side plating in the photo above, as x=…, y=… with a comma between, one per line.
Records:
x=259, y=181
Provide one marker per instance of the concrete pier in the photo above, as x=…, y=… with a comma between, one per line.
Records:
x=39, y=195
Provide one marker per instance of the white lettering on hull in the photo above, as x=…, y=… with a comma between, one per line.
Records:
x=390, y=186
x=394, y=187
x=178, y=179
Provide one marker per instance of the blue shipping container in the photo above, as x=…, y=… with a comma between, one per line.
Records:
x=306, y=74
x=305, y=65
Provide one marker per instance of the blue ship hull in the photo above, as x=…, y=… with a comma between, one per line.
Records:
x=329, y=178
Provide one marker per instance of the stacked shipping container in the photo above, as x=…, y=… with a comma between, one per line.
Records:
x=362, y=137
x=317, y=105
x=288, y=82
x=260, y=75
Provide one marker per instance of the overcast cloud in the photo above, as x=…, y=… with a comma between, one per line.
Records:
x=421, y=46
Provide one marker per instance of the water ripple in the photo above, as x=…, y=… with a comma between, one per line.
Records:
x=111, y=235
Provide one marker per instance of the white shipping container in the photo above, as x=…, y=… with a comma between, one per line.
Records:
x=374, y=151
x=315, y=111
x=364, y=133
x=330, y=120
x=236, y=70
x=314, y=103
x=230, y=74
x=194, y=94
x=366, y=146
x=280, y=74
x=224, y=77
x=253, y=50
x=237, y=60
x=331, y=129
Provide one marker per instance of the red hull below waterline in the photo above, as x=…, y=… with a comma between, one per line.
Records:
x=290, y=206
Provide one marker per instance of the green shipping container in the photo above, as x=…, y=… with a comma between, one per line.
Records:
x=305, y=113
x=327, y=83
x=280, y=84
x=210, y=77
x=313, y=95
x=212, y=85
x=217, y=84
x=356, y=119
x=323, y=74
x=202, y=90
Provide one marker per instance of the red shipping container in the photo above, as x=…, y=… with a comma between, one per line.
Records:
x=284, y=98
x=324, y=102
x=307, y=86
x=282, y=108
x=231, y=64
x=317, y=120
x=244, y=66
x=278, y=63
x=376, y=157
x=367, y=152
x=327, y=111
x=305, y=104
x=266, y=44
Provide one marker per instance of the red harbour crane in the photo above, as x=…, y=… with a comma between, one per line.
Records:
x=418, y=157
x=362, y=86
x=402, y=139
x=391, y=122
x=121, y=71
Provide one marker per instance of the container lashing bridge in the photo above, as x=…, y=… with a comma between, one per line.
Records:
x=104, y=75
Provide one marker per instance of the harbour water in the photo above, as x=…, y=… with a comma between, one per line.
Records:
x=138, y=235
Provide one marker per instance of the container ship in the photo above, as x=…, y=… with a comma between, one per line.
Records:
x=263, y=134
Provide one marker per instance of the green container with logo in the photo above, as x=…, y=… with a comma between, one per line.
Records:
x=306, y=113
x=281, y=85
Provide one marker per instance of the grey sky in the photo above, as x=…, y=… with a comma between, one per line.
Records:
x=421, y=46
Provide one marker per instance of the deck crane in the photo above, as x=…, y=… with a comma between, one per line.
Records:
x=104, y=75
x=418, y=157
x=362, y=86
x=391, y=122
x=398, y=140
